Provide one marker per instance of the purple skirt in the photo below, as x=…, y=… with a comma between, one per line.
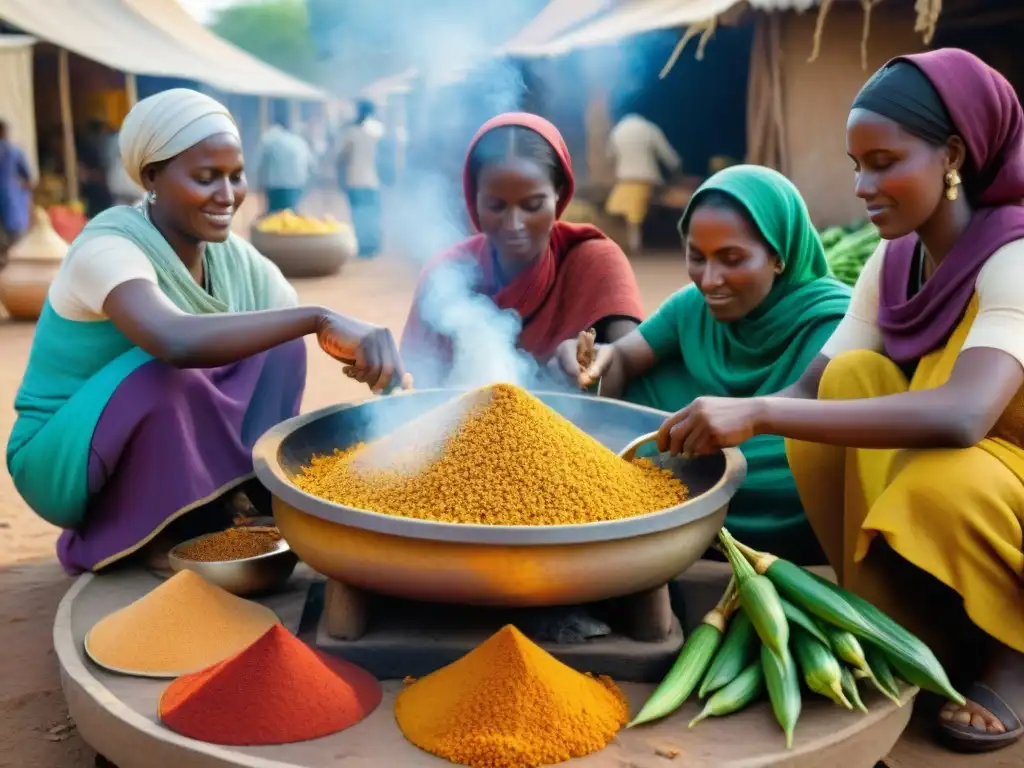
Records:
x=170, y=440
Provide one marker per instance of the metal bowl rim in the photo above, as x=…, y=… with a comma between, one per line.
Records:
x=282, y=547
x=272, y=475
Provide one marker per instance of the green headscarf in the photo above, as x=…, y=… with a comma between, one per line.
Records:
x=759, y=354
x=769, y=348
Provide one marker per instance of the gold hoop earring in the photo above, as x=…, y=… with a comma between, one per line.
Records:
x=953, y=182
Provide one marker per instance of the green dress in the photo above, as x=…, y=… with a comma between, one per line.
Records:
x=759, y=354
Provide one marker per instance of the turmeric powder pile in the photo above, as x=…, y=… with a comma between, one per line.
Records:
x=508, y=703
x=495, y=456
x=182, y=626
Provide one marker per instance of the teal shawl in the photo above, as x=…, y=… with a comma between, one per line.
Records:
x=74, y=367
x=757, y=355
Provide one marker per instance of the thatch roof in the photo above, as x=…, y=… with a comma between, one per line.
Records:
x=926, y=11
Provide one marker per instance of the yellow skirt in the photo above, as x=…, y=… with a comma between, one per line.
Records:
x=631, y=200
x=956, y=514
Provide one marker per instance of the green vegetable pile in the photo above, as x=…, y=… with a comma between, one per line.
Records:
x=778, y=624
x=848, y=248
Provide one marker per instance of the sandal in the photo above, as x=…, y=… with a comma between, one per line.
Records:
x=965, y=738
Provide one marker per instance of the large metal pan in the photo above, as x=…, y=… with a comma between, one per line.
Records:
x=490, y=564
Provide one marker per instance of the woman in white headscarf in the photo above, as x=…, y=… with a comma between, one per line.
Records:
x=167, y=345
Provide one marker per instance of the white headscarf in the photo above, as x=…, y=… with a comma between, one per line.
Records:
x=166, y=124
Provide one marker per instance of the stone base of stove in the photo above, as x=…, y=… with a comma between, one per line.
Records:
x=399, y=638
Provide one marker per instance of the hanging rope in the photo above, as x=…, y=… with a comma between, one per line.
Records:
x=927, y=19
x=706, y=30
x=819, y=28
x=928, y=12
x=867, y=6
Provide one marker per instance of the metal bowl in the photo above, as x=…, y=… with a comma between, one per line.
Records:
x=246, y=576
x=499, y=565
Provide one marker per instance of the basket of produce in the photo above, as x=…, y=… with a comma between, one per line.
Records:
x=847, y=249
x=491, y=497
x=33, y=262
x=304, y=246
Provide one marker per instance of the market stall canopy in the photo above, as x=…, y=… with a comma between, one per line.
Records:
x=17, y=107
x=151, y=37
x=557, y=18
x=174, y=20
x=624, y=19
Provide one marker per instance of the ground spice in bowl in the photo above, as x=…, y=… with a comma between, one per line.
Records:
x=276, y=691
x=232, y=544
x=510, y=704
x=494, y=456
x=183, y=625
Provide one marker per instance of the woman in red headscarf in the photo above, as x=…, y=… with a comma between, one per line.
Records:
x=559, y=279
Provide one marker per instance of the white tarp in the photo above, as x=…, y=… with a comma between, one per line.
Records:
x=17, y=102
x=232, y=64
x=121, y=35
x=630, y=17
x=554, y=20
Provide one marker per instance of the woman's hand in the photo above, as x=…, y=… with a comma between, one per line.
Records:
x=368, y=351
x=563, y=362
x=566, y=363
x=603, y=362
x=710, y=423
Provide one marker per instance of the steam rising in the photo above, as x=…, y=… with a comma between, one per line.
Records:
x=463, y=86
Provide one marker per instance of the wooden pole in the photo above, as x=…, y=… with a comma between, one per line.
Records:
x=131, y=89
x=264, y=114
x=67, y=124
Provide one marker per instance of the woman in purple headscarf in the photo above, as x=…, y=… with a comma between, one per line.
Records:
x=906, y=434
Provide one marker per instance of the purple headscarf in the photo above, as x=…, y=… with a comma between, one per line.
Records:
x=987, y=114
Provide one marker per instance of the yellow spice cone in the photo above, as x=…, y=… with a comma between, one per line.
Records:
x=509, y=703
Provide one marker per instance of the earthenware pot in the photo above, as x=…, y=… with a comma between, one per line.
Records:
x=302, y=255
x=33, y=262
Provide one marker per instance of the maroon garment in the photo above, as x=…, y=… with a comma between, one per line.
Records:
x=581, y=277
x=987, y=114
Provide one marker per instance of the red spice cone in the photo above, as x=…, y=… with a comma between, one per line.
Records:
x=276, y=691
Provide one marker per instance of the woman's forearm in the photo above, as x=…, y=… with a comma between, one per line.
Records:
x=207, y=341
x=923, y=419
x=806, y=387
x=614, y=381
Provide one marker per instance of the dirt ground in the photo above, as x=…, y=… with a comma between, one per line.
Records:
x=34, y=730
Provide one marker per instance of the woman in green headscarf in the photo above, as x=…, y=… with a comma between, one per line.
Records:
x=760, y=307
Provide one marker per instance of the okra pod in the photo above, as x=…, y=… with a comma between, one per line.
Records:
x=797, y=616
x=747, y=686
x=690, y=665
x=758, y=597
x=850, y=690
x=820, y=668
x=881, y=673
x=844, y=609
x=738, y=648
x=783, y=686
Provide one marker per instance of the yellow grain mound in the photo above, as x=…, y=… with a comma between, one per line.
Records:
x=495, y=456
x=184, y=625
x=508, y=703
x=288, y=222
